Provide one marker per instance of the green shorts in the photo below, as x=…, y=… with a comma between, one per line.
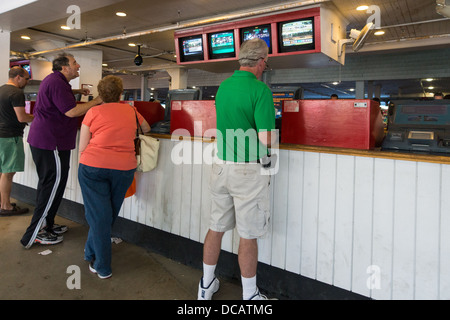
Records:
x=12, y=156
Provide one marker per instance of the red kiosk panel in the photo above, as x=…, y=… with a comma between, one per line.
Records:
x=354, y=124
x=198, y=117
x=151, y=111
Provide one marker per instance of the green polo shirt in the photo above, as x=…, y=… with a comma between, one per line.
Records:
x=244, y=107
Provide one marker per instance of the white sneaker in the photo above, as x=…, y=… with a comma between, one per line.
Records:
x=91, y=269
x=207, y=293
x=259, y=296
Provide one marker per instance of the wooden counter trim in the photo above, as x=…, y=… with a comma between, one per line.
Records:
x=343, y=151
x=370, y=153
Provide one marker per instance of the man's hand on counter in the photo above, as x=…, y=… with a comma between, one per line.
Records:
x=81, y=108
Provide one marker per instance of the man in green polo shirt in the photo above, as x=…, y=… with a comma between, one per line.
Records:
x=244, y=105
x=239, y=189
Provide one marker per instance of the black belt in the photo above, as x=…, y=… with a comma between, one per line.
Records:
x=265, y=166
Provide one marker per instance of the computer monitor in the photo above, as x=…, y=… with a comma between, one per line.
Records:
x=24, y=64
x=180, y=94
x=191, y=48
x=221, y=45
x=296, y=35
x=285, y=93
x=263, y=32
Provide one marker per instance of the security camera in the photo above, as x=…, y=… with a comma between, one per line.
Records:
x=138, y=60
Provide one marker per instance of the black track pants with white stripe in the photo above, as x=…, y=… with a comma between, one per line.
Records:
x=52, y=167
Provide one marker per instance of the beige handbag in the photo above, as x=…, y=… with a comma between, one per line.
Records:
x=146, y=148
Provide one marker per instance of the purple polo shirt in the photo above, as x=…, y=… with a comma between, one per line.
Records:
x=50, y=128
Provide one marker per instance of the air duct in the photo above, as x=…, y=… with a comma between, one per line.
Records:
x=189, y=24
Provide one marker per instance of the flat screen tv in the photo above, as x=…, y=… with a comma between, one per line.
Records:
x=191, y=48
x=221, y=45
x=296, y=35
x=24, y=64
x=180, y=94
x=263, y=32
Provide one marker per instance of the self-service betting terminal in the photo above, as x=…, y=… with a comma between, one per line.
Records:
x=419, y=126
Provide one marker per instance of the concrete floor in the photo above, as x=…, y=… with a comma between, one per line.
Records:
x=137, y=273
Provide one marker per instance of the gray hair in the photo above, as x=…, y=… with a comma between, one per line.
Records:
x=251, y=51
x=61, y=60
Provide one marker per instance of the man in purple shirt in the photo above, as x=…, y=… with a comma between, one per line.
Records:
x=51, y=137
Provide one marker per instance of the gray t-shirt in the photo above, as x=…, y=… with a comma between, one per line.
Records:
x=10, y=97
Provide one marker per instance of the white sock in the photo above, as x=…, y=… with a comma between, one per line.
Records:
x=208, y=274
x=248, y=287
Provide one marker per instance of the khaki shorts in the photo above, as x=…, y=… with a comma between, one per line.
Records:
x=240, y=197
x=12, y=156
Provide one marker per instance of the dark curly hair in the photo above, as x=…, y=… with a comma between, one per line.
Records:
x=60, y=61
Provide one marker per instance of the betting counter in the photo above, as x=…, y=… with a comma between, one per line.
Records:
x=356, y=222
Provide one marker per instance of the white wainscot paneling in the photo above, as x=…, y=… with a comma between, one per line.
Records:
x=377, y=227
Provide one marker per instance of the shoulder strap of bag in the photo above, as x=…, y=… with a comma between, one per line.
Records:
x=138, y=125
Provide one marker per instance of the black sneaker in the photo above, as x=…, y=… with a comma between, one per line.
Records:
x=59, y=229
x=45, y=237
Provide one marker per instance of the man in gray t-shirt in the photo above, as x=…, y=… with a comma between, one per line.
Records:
x=13, y=119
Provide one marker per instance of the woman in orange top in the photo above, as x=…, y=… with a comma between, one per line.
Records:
x=106, y=170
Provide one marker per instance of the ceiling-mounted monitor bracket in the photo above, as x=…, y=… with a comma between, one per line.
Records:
x=341, y=44
x=358, y=38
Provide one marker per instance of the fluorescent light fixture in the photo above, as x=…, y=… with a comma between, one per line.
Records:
x=6, y=6
x=65, y=27
x=431, y=88
x=24, y=37
x=121, y=14
x=429, y=79
x=362, y=8
x=132, y=44
x=379, y=33
x=335, y=83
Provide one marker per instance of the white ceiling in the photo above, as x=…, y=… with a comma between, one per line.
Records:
x=407, y=23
